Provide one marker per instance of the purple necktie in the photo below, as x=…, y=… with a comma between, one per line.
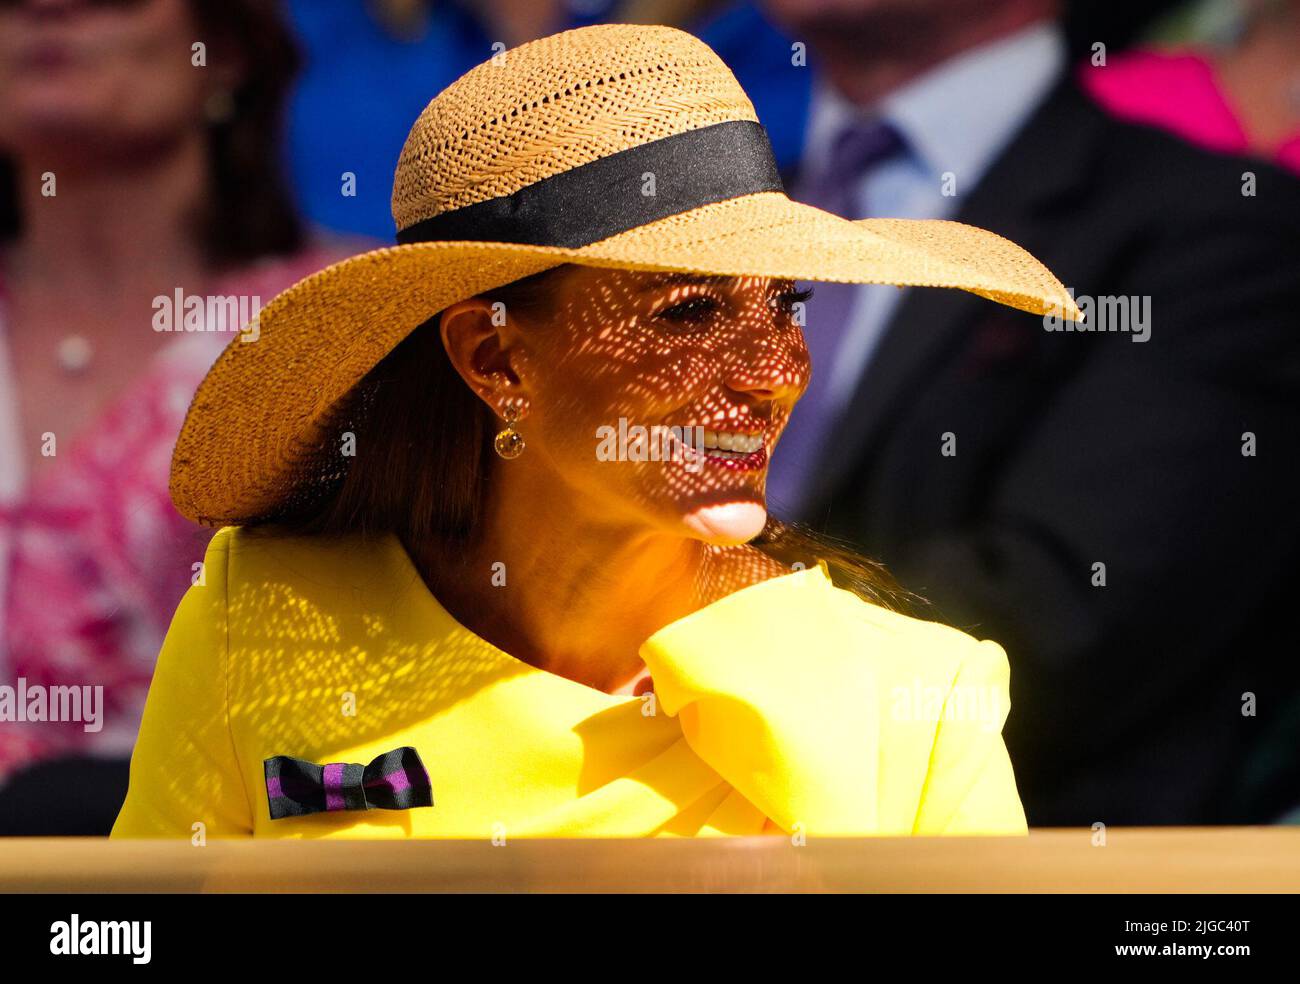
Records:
x=856, y=149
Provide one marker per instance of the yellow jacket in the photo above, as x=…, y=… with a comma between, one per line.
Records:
x=789, y=706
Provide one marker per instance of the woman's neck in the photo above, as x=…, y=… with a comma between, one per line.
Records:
x=555, y=584
x=102, y=237
x=114, y=223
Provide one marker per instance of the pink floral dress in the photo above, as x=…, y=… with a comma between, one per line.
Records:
x=93, y=557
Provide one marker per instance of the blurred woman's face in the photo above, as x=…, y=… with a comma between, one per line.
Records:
x=658, y=398
x=91, y=76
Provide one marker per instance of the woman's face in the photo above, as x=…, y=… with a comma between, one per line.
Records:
x=626, y=366
x=99, y=75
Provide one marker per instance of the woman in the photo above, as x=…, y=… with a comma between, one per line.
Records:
x=136, y=166
x=487, y=567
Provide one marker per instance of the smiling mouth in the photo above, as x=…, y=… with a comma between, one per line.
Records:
x=733, y=449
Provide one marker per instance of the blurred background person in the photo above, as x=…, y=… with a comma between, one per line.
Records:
x=1232, y=84
x=1223, y=74
x=1103, y=505
x=748, y=36
x=132, y=165
x=372, y=65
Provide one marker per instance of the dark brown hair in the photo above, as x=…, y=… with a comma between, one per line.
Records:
x=413, y=409
x=249, y=212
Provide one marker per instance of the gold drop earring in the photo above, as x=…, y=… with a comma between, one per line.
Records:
x=509, y=442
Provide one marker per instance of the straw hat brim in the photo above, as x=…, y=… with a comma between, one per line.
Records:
x=259, y=413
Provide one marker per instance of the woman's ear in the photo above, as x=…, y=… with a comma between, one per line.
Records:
x=478, y=340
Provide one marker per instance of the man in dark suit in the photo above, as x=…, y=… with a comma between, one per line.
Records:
x=1117, y=507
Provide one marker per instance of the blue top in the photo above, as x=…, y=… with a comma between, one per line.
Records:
x=360, y=91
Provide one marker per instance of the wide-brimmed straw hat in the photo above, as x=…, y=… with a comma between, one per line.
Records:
x=617, y=146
